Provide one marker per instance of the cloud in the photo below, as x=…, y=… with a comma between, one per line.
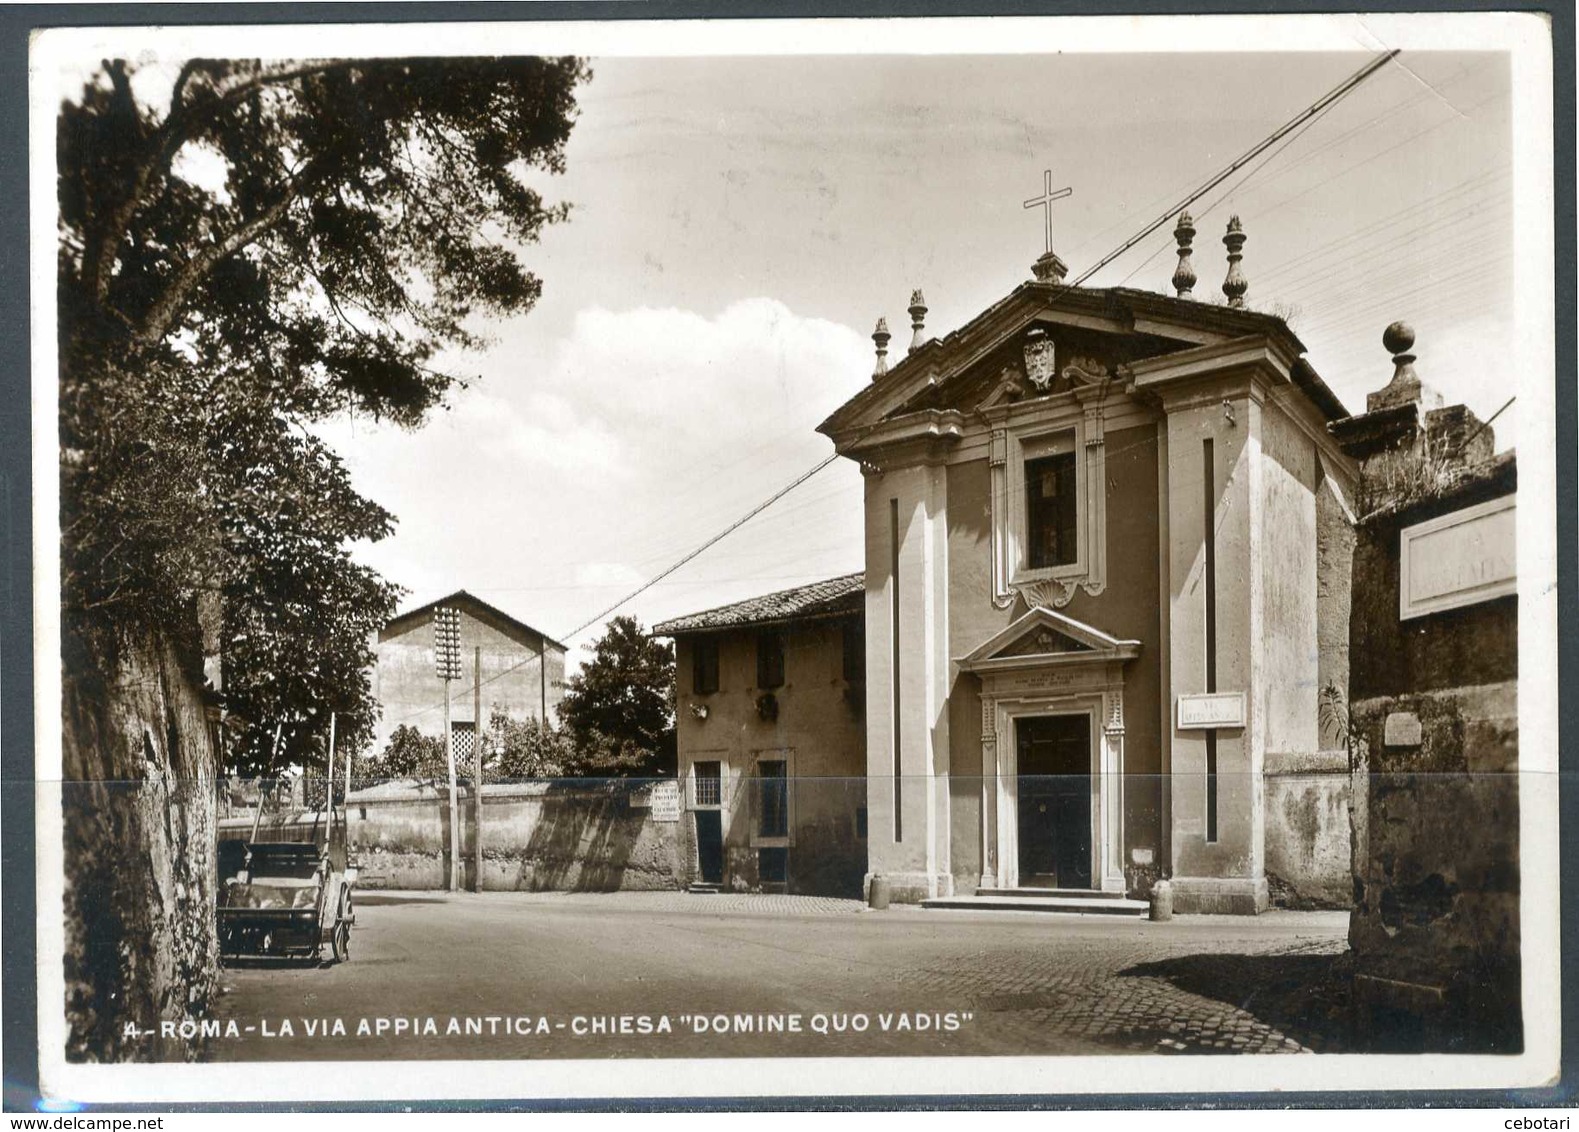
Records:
x=551, y=486
x=608, y=575
x=543, y=429
x=754, y=365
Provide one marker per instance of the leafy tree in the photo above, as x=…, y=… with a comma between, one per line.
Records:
x=529, y=748
x=247, y=249
x=411, y=754
x=619, y=709
x=259, y=247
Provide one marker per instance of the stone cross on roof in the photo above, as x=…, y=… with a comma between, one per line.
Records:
x=1045, y=203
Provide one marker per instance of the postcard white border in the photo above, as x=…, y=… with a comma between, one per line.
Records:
x=1525, y=36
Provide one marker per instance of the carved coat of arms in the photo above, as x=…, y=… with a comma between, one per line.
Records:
x=1039, y=366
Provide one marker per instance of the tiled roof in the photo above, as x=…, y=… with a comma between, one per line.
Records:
x=402, y=622
x=831, y=598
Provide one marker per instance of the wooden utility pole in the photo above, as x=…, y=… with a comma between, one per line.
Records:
x=477, y=753
x=447, y=657
x=328, y=802
x=455, y=809
x=258, y=817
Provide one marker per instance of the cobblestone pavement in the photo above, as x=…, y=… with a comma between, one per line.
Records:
x=1019, y=983
x=1156, y=991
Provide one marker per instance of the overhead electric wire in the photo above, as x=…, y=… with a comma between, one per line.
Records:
x=1314, y=264
x=1262, y=164
x=1299, y=123
x=1294, y=125
x=1286, y=201
x=1316, y=108
x=1376, y=119
x=719, y=537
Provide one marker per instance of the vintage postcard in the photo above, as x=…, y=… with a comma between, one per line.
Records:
x=809, y=558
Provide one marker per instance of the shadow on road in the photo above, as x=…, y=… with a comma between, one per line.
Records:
x=1304, y=996
x=268, y=962
x=366, y=898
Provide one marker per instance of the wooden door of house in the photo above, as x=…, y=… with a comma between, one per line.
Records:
x=707, y=809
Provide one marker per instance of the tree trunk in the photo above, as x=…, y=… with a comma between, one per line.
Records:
x=138, y=798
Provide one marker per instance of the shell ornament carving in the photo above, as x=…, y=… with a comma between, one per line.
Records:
x=1049, y=593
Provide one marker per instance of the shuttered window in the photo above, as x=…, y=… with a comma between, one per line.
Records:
x=704, y=665
x=770, y=660
x=772, y=798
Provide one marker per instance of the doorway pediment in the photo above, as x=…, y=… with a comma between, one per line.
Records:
x=1044, y=637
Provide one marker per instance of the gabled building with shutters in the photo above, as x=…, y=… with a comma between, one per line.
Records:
x=522, y=671
x=1097, y=524
x=769, y=701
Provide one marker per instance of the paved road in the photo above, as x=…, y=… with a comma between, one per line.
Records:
x=540, y=975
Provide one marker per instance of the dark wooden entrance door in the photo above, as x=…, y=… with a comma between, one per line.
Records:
x=710, y=846
x=1054, y=810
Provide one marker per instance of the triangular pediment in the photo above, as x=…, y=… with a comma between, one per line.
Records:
x=1044, y=636
x=1094, y=334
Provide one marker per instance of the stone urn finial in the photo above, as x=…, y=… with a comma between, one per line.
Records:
x=881, y=336
x=1236, y=284
x=1184, y=274
x=918, y=317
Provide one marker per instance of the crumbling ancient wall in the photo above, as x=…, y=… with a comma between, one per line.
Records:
x=1435, y=928
x=1307, y=829
x=138, y=812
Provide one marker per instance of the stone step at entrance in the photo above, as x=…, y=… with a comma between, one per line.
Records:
x=1052, y=893
x=704, y=887
x=1067, y=901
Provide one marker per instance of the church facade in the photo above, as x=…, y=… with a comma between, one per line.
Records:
x=1093, y=564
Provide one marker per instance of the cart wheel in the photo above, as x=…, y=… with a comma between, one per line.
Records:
x=341, y=941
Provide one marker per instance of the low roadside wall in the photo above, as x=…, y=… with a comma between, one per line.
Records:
x=559, y=836
x=537, y=837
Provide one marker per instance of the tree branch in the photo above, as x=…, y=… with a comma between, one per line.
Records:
x=188, y=69
x=156, y=323
x=162, y=146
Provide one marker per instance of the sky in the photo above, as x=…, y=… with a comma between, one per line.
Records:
x=738, y=224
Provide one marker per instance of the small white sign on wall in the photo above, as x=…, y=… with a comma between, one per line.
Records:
x=1461, y=558
x=1205, y=710
x=665, y=801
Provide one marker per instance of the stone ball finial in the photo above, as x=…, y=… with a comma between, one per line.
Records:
x=1405, y=387
x=1399, y=338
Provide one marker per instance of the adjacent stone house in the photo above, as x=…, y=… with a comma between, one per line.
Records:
x=522, y=671
x=1093, y=559
x=770, y=704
